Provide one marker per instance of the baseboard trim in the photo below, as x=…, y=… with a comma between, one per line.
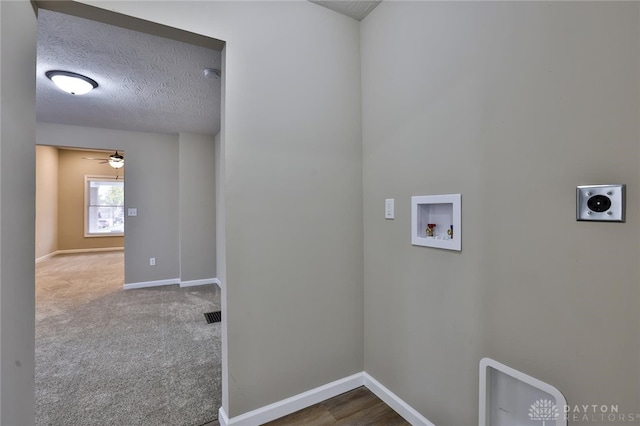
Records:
x=143, y=284
x=204, y=281
x=172, y=281
x=291, y=405
x=298, y=402
x=73, y=251
x=223, y=419
x=157, y=283
x=46, y=256
x=90, y=250
x=393, y=401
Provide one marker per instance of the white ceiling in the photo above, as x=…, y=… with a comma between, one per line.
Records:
x=357, y=9
x=146, y=83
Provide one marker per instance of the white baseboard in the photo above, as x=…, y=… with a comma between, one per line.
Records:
x=73, y=251
x=172, y=281
x=291, y=405
x=200, y=282
x=157, y=283
x=223, y=419
x=143, y=284
x=298, y=402
x=393, y=401
x=46, y=256
x=90, y=250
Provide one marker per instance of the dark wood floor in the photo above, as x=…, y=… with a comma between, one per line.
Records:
x=357, y=407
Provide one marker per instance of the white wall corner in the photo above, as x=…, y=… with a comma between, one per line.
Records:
x=158, y=283
x=393, y=401
x=295, y=403
x=223, y=419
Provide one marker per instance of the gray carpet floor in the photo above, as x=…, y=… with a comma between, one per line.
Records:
x=107, y=356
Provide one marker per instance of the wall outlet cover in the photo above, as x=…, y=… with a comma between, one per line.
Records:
x=602, y=203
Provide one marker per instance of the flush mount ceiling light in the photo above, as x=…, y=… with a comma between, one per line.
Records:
x=70, y=82
x=116, y=160
x=212, y=73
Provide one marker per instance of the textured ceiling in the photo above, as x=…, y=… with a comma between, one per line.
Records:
x=146, y=83
x=357, y=9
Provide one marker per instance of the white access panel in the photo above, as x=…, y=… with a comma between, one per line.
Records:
x=510, y=397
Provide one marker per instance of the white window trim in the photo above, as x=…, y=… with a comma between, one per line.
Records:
x=85, y=207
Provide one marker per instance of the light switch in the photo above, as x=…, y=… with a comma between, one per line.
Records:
x=132, y=212
x=389, y=208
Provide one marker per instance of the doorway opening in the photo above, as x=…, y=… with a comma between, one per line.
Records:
x=154, y=271
x=79, y=202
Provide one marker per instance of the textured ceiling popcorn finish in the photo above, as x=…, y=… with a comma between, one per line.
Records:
x=146, y=83
x=356, y=9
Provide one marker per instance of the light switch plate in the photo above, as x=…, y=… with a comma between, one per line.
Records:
x=132, y=212
x=389, y=208
x=603, y=203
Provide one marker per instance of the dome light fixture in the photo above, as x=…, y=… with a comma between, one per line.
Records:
x=212, y=73
x=116, y=160
x=71, y=82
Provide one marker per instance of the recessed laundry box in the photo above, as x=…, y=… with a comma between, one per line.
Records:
x=436, y=221
x=509, y=397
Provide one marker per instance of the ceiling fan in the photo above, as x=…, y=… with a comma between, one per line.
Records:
x=114, y=160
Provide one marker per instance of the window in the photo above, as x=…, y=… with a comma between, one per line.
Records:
x=104, y=206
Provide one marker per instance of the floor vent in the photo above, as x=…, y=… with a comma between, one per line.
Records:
x=213, y=317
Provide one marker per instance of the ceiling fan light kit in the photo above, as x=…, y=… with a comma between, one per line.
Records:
x=71, y=82
x=116, y=160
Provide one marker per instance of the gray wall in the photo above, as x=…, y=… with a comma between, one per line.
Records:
x=520, y=101
x=197, y=206
x=293, y=198
x=151, y=186
x=17, y=211
x=512, y=105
